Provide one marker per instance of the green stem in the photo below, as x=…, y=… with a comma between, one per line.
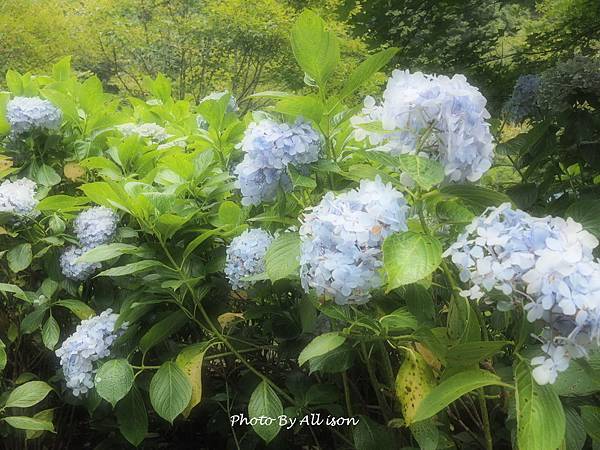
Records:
x=347, y=393
x=385, y=409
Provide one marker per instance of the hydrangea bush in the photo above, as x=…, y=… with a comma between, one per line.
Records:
x=167, y=265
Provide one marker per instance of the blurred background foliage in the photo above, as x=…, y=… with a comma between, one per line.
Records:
x=241, y=45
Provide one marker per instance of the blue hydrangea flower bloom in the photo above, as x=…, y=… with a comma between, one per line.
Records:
x=77, y=271
x=269, y=148
x=95, y=226
x=246, y=257
x=522, y=103
x=91, y=342
x=18, y=197
x=548, y=266
x=435, y=116
x=151, y=131
x=342, y=237
x=25, y=114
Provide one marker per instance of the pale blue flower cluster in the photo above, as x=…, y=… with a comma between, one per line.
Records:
x=74, y=270
x=18, y=197
x=433, y=116
x=151, y=131
x=547, y=263
x=246, y=257
x=523, y=101
x=95, y=226
x=269, y=148
x=341, y=238
x=232, y=106
x=25, y=114
x=91, y=342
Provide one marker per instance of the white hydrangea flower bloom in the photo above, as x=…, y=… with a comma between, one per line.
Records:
x=246, y=257
x=342, y=238
x=95, y=226
x=18, y=197
x=78, y=271
x=269, y=148
x=547, y=263
x=151, y=131
x=435, y=116
x=91, y=342
x=25, y=114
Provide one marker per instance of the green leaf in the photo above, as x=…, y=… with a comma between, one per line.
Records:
x=77, y=307
x=576, y=435
x=398, y=320
x=28, y=394
x=163, y=329
x=47, y=176
x=471, y=353
x=476, y=197
x=45, y=415
x=282, y=259
x=452, y=389
x=301, y=106
x=62, y=203
x=50, y=332
x=320, y=346
x=132, y=417
x=29, y=423
x=582, y=377
x=108, y=251
x=33, y=320
x=170, y=391
x=335, y=361
x=540, y=416
x=414, y=382
x=426, y=434
x=370, y=435
x=367, y=69
x=3, y=358
x=426, y=172
x=419, y=303
x=523, y=195
x=315, y=49
x=587, y=213
x=14, y=289
x=61, y=71
x=409, y=257
x=190, y=361
x=19, y=257
x=265, y=402
x=230, y=214
x=591, y=421
x=129, y=269
x=197, y=241
x=114, y=380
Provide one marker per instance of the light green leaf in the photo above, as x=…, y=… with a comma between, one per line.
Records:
x=282, y=259
x=400, y=319
x=541, y=419
x=409, y=257
x=132, y=417
x=45, y=415
x=108, y=251
x=230, y=214
x=130, y=269
x=320, y=346
x=425, y=172
x=301, y=106
x=265, y=402
x=14, y=289
x=28, y=394
x=50, y=332
x=367, y=69
x=478, y=198
x=170, y=391
x=77, y=307
x=29, y=423
x=114, y=380
x=316, y=50
x=452, y=389
x=471, y=353
x=591, y=420
x=63, y=203
x=19, y=257
x=47, y=176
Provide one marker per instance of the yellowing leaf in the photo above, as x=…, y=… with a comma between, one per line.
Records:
x=190, y=362
x=73, y=171
x=414, y=381
x=228, y=318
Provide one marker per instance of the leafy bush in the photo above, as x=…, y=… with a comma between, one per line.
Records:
x=167, y=265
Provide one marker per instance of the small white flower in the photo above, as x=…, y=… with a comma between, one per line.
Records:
x=151, y=131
